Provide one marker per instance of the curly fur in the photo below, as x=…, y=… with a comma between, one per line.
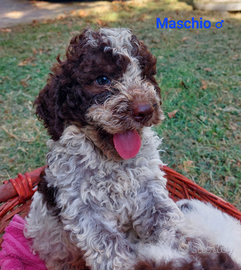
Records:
x=93, y=207
x=214, y=261
x=206, y=238
x=95, y=220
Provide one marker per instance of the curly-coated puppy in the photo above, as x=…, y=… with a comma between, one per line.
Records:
x=103, y=190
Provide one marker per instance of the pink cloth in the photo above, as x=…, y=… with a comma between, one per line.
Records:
x=15, y=253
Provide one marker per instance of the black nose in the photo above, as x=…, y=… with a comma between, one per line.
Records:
x=142, y=111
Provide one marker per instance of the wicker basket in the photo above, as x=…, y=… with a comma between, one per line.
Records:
x=15, y=195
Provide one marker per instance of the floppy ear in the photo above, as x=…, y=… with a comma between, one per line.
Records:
x=47, y=108
x=60, y=100
x=147, y=62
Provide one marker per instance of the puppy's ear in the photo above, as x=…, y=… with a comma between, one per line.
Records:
x=57, y=102
x=147, y=62
x=146, y=59
x=47, y=109
x=47, y=105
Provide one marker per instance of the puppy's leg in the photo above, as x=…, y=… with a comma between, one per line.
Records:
x=156, y=214
x=49, y=239
x=103, y=246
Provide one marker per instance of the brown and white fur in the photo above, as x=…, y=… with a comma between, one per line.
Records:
x=209, y=239
x=91, y=203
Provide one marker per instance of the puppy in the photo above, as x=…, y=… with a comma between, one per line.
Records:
x=103, y=191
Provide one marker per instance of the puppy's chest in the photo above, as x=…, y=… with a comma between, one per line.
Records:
x=115, y=192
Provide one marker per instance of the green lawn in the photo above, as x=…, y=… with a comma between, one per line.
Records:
x=198, y=71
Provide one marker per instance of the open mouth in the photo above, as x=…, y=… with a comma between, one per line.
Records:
x=127, y=143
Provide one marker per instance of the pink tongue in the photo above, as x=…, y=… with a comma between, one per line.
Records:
x=127, y=144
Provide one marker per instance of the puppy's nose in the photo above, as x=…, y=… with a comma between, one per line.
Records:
x=142, y=111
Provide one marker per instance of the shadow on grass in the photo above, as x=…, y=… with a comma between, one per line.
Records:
x=189, y=2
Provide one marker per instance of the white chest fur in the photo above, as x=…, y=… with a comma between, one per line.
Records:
x=76, y=167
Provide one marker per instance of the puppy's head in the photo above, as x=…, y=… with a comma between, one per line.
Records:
x=106, y=86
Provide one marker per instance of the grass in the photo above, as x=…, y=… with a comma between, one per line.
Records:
x=198, y=71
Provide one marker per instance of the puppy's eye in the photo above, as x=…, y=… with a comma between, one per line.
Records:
x=103, y=80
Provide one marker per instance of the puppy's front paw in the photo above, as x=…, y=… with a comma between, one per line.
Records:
x=150, y=226
x=114, y=253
